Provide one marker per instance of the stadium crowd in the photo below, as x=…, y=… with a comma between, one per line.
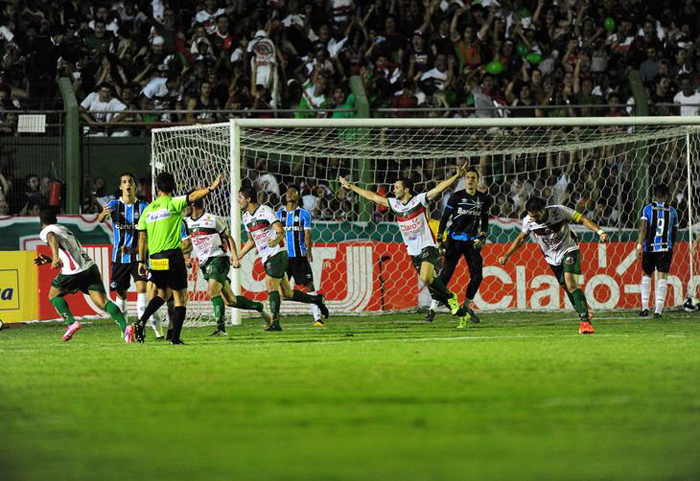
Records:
x=481, y=58
x=295, y=54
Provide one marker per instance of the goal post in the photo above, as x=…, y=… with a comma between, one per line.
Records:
x=602, y=167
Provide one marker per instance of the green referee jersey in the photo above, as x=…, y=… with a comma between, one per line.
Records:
x=162, y=221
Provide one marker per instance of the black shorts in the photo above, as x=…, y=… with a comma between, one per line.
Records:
x=661, y=261
x=122, y=274
x=299, y=269
x=168, y=270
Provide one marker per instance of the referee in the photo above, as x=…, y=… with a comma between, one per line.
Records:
x=466, y=236
x=160, y=228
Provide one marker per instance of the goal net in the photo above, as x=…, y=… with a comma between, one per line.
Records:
x=603, y=168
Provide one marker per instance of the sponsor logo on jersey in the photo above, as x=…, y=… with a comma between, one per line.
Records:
x=158, y=215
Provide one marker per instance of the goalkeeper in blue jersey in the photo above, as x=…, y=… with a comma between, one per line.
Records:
x=657, y=235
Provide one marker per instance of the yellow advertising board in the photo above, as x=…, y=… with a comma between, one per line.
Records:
x=19, y=296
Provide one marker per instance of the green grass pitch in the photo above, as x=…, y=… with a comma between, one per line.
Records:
x=519, y=396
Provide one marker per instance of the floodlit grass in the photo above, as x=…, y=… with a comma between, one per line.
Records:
x=519, y=396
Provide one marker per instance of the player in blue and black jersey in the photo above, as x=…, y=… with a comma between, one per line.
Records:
x=124, y=213
x=297, y=226
x=657, y=235
x=468, y=210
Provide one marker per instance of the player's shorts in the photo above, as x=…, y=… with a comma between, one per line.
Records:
x=571, y=263
x=428, y=254
x=122, y=275
x=276, y=266
x=661, y=261
x=88, y=280
x=299, y=269
x=217, y=268
x=168, y=270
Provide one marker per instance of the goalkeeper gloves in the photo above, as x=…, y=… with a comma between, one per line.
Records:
x=479, y=242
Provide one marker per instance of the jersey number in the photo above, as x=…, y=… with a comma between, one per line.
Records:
x=660, y=222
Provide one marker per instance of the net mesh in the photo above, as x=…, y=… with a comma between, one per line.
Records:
x=359, y=260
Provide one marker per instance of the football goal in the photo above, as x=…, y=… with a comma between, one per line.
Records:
x=603, y=168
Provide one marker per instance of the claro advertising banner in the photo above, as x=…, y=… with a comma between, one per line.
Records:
x=374, y=276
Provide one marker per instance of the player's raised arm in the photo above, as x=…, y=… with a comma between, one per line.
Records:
x=198, y=194
x=514, y=246
x=445, y=184
x=367, y=194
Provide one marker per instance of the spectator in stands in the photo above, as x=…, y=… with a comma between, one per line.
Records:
x=101, y=107
x=687, y=97
x=202, y=102
x=661, y=97
x=100, y=39
x=405, y=99
x=161, y=93
x=38, y=195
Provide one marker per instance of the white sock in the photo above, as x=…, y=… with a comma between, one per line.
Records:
x=141, y=303
x=166, y=314
x=434, y=305
x=646, y=291
x=158, y=317
x=315, y=311
x=661, y=286
x=121, y=304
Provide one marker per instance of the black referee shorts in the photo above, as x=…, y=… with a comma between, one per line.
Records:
x=661, y=261
x=168, y=270
x=299, y=269
x=121, y=276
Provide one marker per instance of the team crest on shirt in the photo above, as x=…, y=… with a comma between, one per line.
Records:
x=569, y=260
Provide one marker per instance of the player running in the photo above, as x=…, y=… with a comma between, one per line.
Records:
x=78, y=273
x=297, y=224
x=160, y=229
x=466, y=236
x=411, y=215
x=657, y=235
x=209, y=238
x=266, y=233
x=125, y=213
x=549, y=227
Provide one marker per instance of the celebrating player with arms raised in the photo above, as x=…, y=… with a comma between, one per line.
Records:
x=549, y=227
x=410, y=211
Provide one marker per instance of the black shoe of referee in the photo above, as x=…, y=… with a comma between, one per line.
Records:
x=139, y=332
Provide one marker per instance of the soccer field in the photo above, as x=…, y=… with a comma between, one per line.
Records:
x=519, y=396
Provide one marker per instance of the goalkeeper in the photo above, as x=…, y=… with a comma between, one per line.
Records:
x=160, y=229
x=466, y=236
